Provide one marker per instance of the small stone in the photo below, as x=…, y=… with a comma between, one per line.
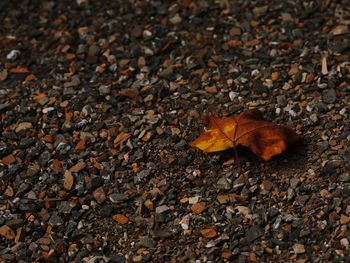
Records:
x=162, y=209
x=243, y=210
x=208, y=233
x=193, y=200
x=44, y=241
x=117, y=197
x=340, y=30
x=298, y=248
x=149, y=98
x=211, y=89
x=78, y=167
x=266, y=185
x=235, y=31
x=55, y=220
x=3, y=74
x=223, y=183
x=7, y=232
x=344, y=242
x=275, y=75
x=147, y=242
x=48, y=109
x=75, y=81
x=260, y=10
x=281, y=100
x=146, y=34
x=99, y=195
x=9, y=159
x=121, y=219
x=185, y=222
x=104, y=89
x=13, y=55
x=344, y=177
x=23, y=126
x=68, y=180
x=313, y=117
x=176, y=19
x=344, y=219
x=329, y=96
x=198, y=208
x=254, y=232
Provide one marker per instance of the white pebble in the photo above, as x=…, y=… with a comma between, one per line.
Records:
x=13, y=55
x=48, y=109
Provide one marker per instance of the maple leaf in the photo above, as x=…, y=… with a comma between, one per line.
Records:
x=249, y=129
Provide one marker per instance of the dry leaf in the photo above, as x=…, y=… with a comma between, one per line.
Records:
x=248, y=129
x=121, y=219
x=198, y=208
x=7, y=232
x=208, y=232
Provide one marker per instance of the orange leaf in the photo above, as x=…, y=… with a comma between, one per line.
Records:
x=208, y=232
x=121, y=219
x=249, y=129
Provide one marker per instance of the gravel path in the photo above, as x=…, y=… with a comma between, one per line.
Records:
x=99, y=100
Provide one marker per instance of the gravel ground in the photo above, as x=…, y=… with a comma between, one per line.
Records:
x=99, y=100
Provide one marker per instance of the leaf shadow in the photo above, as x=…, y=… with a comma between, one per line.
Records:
x=295, y=157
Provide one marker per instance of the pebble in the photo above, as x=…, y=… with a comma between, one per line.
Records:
x=13, y=55
x=23, y=126
x=162, y=209
x=329, y=96
x=55, y=220
x=298, y=248
x=118, y=197
x=176, y=19
x=147, y=242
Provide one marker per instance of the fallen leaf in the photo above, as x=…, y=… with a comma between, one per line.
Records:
x=121, y=219
x=208, y=232
x=68, y=180
x=198, y=208
x=7, y=232
x=249, y=129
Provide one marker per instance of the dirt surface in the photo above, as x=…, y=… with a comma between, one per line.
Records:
x=100, y=99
